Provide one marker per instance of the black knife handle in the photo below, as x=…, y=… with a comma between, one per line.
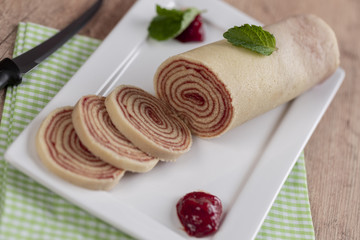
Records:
x=9, y=73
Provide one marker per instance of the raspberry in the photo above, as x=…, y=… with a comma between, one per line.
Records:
x=194, y=32
x=199, y=213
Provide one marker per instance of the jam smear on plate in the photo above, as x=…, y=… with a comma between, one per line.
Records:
x=199, y=213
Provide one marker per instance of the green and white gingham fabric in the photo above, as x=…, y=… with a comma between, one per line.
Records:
x=30, y=211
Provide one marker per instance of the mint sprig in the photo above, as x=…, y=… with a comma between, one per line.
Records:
x=170, y=23
x=252, y=37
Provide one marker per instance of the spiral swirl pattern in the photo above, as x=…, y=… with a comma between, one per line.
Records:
x=97, y=132
x=199, y=98
x=148, y=122
x=61, y=150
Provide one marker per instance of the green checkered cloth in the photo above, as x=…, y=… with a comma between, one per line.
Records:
x=30, y=211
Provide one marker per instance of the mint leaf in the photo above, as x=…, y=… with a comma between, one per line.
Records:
x=171, y=13
x=169, y=23
x=252, y=37
x=162, y=28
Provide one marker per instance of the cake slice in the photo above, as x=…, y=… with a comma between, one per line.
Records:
x=97, y=132
x=62, y=152
x=148, y=122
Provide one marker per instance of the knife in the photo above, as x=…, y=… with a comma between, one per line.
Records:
x=12, y=70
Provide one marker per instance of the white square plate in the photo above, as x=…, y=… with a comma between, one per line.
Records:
x=245, y=168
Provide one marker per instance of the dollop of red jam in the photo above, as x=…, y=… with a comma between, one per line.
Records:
x=199, y=213
x=194, y=32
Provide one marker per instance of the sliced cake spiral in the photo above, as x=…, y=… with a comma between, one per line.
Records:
x=97, y=132
x=148, y=122
x=62, y=152
x=217, y=87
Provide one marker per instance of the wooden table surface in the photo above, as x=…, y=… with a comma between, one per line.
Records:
x=332, y=154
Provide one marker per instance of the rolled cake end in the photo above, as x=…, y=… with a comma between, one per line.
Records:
x=196, y=93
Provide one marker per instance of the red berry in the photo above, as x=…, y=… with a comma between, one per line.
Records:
x=194, y=32
x=199, y=213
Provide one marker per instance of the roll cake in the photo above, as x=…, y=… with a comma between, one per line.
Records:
x=62, y=152
x=148, y=123
x=96, y=131
x=217, y=87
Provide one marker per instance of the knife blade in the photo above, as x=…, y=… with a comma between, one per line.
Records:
x=12, y=70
